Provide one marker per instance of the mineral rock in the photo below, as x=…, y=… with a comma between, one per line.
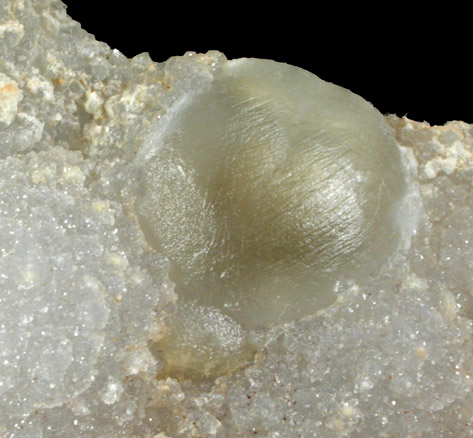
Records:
x=86, y=303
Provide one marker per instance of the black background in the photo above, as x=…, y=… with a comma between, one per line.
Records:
x=404, y=61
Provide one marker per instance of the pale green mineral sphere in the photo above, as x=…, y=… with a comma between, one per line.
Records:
x=267, y=187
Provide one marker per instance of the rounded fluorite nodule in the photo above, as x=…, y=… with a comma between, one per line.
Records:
x=268, y=186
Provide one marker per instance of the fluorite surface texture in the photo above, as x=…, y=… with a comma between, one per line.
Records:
x=267, y=186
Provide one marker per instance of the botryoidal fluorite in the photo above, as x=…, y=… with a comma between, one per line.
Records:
x=267, y=187
x=99, y=325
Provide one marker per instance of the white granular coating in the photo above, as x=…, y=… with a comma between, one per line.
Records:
x=83, y=299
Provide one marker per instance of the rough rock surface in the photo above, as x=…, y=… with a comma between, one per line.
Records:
x=83, y=299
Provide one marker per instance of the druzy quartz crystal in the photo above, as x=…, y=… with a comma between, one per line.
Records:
x=266, y=187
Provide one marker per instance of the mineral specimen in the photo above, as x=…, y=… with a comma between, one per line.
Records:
x=89, y=318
